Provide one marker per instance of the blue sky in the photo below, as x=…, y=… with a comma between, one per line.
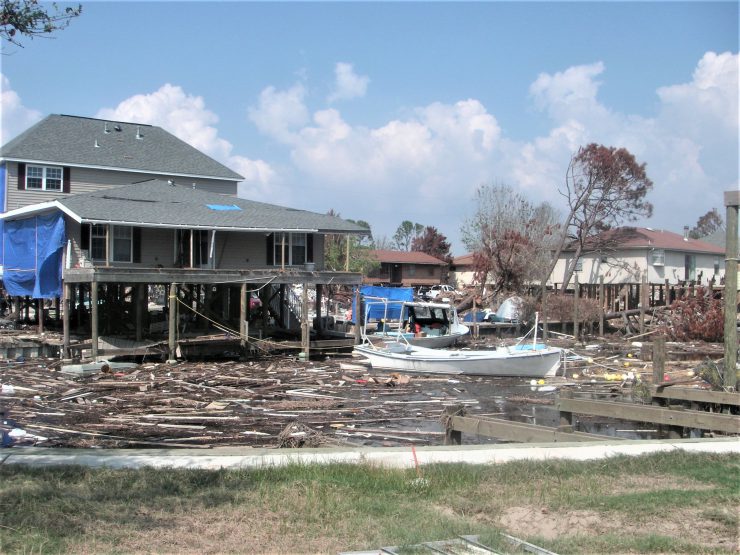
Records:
x=398, y=111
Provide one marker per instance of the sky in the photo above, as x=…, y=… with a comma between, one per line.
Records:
x=386, y=112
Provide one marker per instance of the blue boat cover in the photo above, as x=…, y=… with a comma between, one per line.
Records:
x=33, y=249
x=375, y=310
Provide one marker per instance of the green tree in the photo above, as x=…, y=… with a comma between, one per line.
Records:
x=29, y=18
x=360, y=247
x=406, y=233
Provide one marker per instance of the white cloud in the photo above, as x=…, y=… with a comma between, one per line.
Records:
x=280, y=113
x=348, y=84
x=187, y=117
x=14, y=116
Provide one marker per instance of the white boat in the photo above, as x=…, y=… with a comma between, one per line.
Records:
x=523, y=360
x=519, y=360
x=422, y=324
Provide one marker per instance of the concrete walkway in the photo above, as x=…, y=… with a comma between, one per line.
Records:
x=394, y=457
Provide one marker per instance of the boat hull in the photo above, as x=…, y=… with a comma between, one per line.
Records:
x=534, y=363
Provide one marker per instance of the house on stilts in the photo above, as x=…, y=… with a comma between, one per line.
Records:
x=98, y=213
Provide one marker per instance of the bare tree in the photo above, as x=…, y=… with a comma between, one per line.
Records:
x=510, y=238
x=707, y=224
x=604, y=186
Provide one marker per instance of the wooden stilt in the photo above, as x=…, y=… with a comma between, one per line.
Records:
x=172, y=331
x=305, y=325
x=243, y=315
x=67, y=293
x=40, y=315
x=94, y=319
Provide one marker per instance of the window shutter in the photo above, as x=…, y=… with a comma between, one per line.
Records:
x=309, y=247
x=271, y=249
x=66, y=180
x=85, y=237
x=21, y=176
x=137, y=244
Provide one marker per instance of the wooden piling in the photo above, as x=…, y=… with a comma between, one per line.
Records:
x=732, y=200
x=659, y=356
x=172, y=330
x=67, y=293
x=40, y=314
x=94, y=319
x=576, y=295
x=601, y=306
x=243, y=315
x=305, y=324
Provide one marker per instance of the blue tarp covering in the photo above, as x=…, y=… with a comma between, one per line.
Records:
x=33, y=256
x=3, y=186
x=378, y=311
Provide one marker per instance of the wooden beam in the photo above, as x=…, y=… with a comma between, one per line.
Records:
x=657, y=415
x=519, y=431
x=695, y=395
x=67, y=308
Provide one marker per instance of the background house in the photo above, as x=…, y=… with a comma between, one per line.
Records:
x=407, y=269
x=626, y=254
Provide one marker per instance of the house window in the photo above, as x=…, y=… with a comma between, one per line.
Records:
x=411, y=269
x=122, y=244
x=578, y=266
x=97, y=242
x=689, y=267
x=657, y=257
x=716, y=265
x=294, y=246
x=44, y=178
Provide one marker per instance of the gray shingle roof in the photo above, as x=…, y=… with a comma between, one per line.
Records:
x=158, y=202
x=71, y=140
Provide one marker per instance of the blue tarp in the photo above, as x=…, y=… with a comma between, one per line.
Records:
x=377, y=310
x=3, y=185
x=33, y=256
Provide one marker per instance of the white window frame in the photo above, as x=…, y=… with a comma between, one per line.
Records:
x=45, y=178
x=115, y=230
x=657, y=257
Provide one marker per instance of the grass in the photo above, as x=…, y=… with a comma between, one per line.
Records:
x=663, y=503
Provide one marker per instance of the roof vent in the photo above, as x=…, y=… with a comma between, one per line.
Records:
x=97, y=144
x=171, y=182
x=105, y=128
x=117, y=127
x=138, y=133
x=685, y=233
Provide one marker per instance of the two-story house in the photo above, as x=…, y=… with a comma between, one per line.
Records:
x=95, y=207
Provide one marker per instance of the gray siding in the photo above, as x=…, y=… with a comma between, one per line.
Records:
x=86, y=180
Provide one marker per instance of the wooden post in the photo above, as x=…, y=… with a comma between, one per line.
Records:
x=659, y=356
x=566, y=418
x=667, y=296
x=172, y=331
x=601, y=306
x=305, y=325
x=643, y=302
x=57, y=309
x=94, y=319
x=576, y=298
x=243, y=315
x=544, y=312
x=40, y=314
x=358, y=317
x=452, y=436
x=346, y=257
x=67, y=307
x=732, y=200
